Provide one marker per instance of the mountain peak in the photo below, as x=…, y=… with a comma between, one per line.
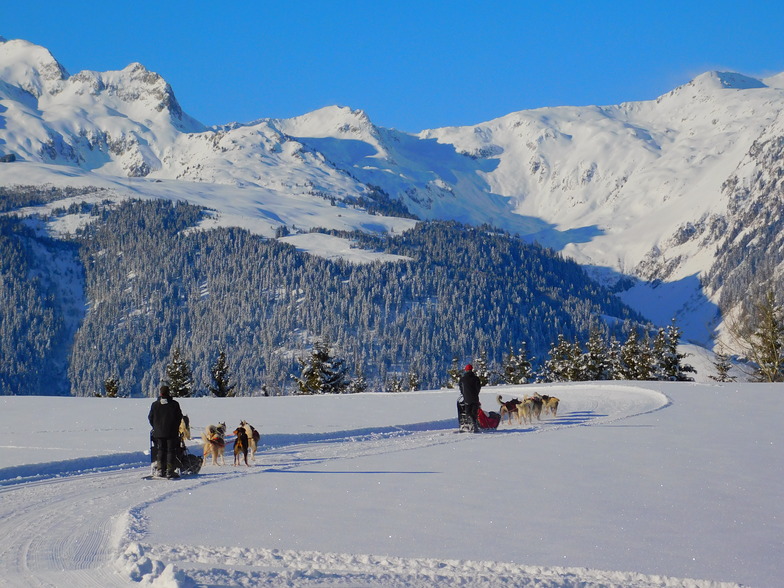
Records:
x=30, y=67
x=727, y=80
x=329, y=121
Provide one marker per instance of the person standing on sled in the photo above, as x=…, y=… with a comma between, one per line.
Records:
x=469, y=388
x=165, y=416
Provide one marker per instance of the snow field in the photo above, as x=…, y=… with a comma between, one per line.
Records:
x=631, y=485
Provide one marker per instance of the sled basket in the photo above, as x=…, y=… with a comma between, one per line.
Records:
x=488, y=420
x=184, y=461
x=484, y=420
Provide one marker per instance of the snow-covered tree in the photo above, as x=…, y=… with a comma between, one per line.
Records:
x=722, y=364
x=615, y=368
x=321, y=372
x=768, y=340
x=668, y=364
x=481, y=368
x=111, y=386
x=637, y=357
x=179, y=376
x=413, y=381
x=517, y=367
x=222, y=386
x=454, y=372
x=562, y=363
x=358, y=383
x=394, y=384
x=596, y=359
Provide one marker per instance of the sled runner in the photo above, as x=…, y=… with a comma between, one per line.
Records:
x=463, y=418
x=186, y=464
x=484, y=420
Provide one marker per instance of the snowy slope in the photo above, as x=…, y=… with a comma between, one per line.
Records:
x=633, y=485
x=620, y=188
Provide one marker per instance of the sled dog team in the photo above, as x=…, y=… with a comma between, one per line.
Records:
x=529, y=407
x=247, y=438
x=214, y=442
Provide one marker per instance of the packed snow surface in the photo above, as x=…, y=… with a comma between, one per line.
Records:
x=631, y=484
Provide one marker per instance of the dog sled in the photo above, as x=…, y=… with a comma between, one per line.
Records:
x=185, y=463
x=484, y=420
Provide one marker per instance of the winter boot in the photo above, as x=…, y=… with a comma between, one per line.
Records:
x=172, y=473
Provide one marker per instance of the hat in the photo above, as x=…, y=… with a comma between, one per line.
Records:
x=469, y=367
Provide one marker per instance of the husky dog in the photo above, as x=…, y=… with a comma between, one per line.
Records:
x=525, y=411
x=253, y=438
x=214, y=442
x=508, y=408
x=536, y=405
x=240, y=446
x=550, y=404
x=185, y=428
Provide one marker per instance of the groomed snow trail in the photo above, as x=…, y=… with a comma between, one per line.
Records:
x=66, y=531
x=89, y=529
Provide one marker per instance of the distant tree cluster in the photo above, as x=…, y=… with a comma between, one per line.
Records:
x=377, y=201
x=640, y=357
x=601, y=357
x=15, y=197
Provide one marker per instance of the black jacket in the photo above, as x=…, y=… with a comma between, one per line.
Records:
x=470, y=386
x=165, y=417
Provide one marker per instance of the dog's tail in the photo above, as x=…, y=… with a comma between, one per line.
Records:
x=500, y=400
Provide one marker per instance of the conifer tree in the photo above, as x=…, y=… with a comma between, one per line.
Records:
x=560, y=364
x=768, y=340
x=310, y=380
x=646, y=364
x=179, y=376
x=394, y=384
x=413, y=381
x=517, y=368
x=723, y=365
x=481, y=368
x=222, y=386
x=668, y=360
x=454, y=372
x=633, y=357
x=358, y=383
x=758, y=335
x=112, y=387
x=615, y=370
x=321, y=372
x=595, y=360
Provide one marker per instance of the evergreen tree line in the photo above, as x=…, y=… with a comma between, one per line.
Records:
x=13, y=198
x=246, y=314
x=153, y=284
x=642, y=356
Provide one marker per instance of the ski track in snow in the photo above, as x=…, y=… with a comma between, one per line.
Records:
x=88, y=529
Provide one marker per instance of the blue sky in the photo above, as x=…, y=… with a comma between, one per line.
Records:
x=409, y=65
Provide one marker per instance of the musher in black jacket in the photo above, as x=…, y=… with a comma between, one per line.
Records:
x=165, y=417
x=469, y=387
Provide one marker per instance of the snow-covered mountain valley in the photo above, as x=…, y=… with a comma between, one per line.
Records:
x=671, y=192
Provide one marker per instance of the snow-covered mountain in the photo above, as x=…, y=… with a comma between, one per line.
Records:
x=666, y=190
